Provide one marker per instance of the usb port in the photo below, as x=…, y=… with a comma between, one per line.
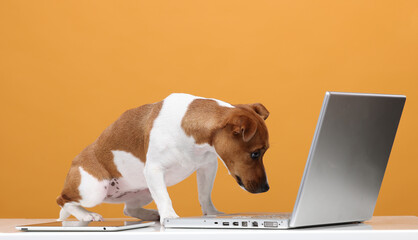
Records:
x=225, y=223
x=235, y=223
x=255, y=224
x=244, y=224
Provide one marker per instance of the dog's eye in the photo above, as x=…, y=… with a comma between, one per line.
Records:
x=255, y=155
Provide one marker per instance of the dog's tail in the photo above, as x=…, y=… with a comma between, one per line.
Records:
x=62, y=199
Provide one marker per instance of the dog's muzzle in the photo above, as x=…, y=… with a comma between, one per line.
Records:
x=239, y=181
x=253, y=189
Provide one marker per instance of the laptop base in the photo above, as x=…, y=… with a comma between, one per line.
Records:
x=233, y=221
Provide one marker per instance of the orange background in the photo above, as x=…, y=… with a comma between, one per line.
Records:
x=69, y=68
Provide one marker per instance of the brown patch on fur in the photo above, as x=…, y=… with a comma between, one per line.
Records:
x=70, y=192
x=129, y=133
x=205, y=116
x=202, y=118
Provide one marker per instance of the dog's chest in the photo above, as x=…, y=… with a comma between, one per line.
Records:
x=187, y=161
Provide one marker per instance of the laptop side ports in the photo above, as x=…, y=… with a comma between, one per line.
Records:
x=271, y=224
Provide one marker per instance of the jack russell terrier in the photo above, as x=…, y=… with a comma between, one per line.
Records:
x=158, y=145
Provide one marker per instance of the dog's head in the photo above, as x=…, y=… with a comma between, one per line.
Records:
x=241, y=144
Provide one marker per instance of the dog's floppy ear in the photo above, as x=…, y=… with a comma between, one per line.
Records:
x=243, y=125
x=260, y=110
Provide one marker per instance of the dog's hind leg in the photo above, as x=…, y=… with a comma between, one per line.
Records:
x=82, y=190
x=133, y=206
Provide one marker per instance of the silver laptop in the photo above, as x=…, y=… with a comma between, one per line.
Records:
x=344, y=171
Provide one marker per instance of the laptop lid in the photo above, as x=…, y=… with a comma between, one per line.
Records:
x=348, y=157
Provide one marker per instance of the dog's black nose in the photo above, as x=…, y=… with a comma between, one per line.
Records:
x=265, y=187
x=262, y=188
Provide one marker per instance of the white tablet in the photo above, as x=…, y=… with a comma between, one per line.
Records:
x=80, y=226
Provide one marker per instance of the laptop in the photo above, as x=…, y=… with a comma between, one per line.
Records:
x=344, y=171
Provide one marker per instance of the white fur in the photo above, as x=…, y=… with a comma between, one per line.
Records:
x=79, y=212
x=129, y=166
x=171, y=157
x=92, y=191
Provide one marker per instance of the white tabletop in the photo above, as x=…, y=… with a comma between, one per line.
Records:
x=399, y=227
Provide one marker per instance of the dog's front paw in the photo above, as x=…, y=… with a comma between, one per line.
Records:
x=88, y=217
x=210, y=210
x=168, y=215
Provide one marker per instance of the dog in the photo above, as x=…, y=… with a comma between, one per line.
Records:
x=158, y=145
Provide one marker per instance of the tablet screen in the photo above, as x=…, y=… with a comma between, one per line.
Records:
x=85, y=226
